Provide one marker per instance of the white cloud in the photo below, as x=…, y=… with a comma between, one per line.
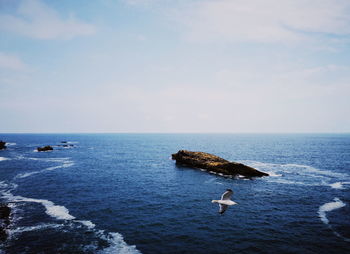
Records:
x=284, y=76
x=138, y=2
x=267, y=21
x=37, y=20
x=10, y=62
x=146, y=2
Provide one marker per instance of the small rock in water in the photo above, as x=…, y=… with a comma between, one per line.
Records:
x=2, y=145
x=45, y=148
x=5, y=212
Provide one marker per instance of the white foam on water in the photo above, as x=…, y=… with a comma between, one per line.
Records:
x=4, y=159
x=87, y=223
x=328, y=207
x=241, y=177
x=55, y=211
x=66, y=164
x=309, y=169
x=45, y=159
x=117, y=244
x=308, y=175
x=273, y=174
x=67, y=147
x=19, y=230
x=3, y=184
x=24, y=175
x=339, y=185
x=272, y=169
x=7, y=187
x=116, y=241
x=293, y=168
x=285, y=181
x=10, y=144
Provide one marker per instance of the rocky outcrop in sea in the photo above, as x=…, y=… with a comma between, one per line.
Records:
x=215, y=164
x=5, y=212
x=2, y=145
x=44, y=148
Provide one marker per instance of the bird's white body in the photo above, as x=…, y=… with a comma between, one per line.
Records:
x=225, y=201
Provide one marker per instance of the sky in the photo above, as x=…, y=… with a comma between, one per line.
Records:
x=195, y=66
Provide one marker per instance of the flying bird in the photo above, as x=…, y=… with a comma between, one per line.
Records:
x=225, y=201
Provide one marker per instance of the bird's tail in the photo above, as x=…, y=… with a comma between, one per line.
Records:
x=214, y=201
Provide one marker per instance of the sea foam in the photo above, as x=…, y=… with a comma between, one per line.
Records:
x=339, y=185
x=327, y=207
x=19, y=230
x=116, y=241
x=66, y=164
x=117, y=244
x=56, y=211
x=309, y=176
x=86, y=223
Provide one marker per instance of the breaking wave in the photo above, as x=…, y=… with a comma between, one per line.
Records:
x=65, y=164
x=328, y=207
x=308, y=176
x=115, y=240
x=116, y=243
x=19, y=230
x=4, y=159
x=339, y=185
x=56, y=211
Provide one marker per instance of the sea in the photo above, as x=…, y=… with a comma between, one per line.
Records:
x=122, y=193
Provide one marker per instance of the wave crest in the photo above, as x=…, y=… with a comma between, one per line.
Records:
x=328, y=207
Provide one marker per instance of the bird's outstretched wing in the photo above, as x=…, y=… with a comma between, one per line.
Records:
x=223, y=208
x=227, y=195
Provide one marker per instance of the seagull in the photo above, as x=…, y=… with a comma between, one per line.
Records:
x=225, y=201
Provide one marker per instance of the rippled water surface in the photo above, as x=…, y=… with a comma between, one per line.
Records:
x=122, y=193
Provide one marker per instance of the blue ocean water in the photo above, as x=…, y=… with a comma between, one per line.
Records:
x=122, y=193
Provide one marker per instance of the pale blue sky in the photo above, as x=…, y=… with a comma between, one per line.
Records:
x=175, y=66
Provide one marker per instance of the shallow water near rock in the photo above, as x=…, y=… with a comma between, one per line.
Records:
x=122, y=193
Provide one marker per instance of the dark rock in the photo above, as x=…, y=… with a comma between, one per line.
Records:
x=2, y=145
x=45, y=148
x=5, y=212
x=214, y=163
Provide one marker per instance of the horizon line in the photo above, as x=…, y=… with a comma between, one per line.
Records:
x=122, y=132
